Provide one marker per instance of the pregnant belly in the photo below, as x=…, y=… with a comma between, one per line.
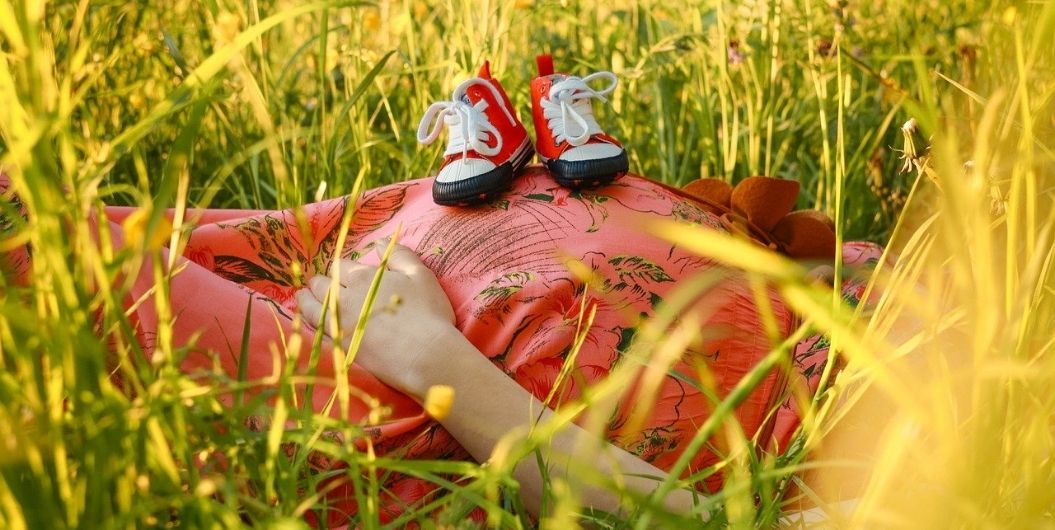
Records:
x=529, y=274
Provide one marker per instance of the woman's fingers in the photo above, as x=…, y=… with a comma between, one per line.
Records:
x=353, y=273
x=309, y=306
x=319, y=286
x=404, y=260
x=407, y=277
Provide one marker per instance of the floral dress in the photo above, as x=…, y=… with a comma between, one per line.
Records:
x=505, y=267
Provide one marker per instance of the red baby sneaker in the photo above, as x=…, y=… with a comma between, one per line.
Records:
x=568, y=139
x=487, y=144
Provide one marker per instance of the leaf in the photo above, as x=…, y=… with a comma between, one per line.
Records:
x=377, y=207
x=504, y=287
x=240, y=270
x=540, y=197
x=10, y=30
x=173, y=49
x=637, y=267
x=243, y=352
x=327, y=230
x=654, y=300
x=364, y=83
x=626, y=337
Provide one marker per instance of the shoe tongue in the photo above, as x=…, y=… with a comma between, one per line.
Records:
x=545, y=65
x=485, y=70
x=555, y=78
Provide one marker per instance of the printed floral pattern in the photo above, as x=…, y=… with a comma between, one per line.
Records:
x=504, y=266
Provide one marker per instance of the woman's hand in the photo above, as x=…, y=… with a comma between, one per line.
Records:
x=412, y=344
x=410, y=320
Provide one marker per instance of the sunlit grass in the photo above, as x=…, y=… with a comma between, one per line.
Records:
x=271, y=104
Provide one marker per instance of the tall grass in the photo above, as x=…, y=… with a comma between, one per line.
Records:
x=270, y=104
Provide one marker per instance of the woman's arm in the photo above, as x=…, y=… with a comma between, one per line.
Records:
x=488, y=404
x=411, y=343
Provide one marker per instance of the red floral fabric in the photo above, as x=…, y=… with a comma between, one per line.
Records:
x=504, y=267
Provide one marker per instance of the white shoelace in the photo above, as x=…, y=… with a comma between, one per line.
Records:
x=467, y=125
x=569, y=100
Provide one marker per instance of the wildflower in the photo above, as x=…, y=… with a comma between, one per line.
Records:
x=372, y=20
x=420, y=10
x=825, y=48
x=438, y=401
x=227, y=27
x=205, y=488
x=913, y=158
x=137, y=101
x=144, y=44
x=734, y=54
x=1010, y=14
x=224, y=32
x=333, y=60
x=102, y=151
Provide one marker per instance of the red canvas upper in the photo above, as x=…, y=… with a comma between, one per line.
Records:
x=513, y=134
x=545, y=143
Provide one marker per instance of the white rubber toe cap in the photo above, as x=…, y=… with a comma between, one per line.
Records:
x=464, y=168
x=596, y=151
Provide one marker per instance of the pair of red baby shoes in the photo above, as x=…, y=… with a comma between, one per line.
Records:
x=488, y=144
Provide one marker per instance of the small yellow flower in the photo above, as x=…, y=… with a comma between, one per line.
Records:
x=421, y=9
x=205, y=488
x=371, y=20
x=135, y=226
x=143, y=43
x=1010, y=14
x=228, y=25
x=137, y=101
x=438, y=401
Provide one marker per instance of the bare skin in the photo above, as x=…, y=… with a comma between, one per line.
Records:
x=434, y=352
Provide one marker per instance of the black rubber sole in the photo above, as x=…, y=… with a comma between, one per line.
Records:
x=481, y=188
x=588, y=173
x=475, y=190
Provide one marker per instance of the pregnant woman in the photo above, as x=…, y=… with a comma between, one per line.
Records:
x=510, y=327
x=518, y=303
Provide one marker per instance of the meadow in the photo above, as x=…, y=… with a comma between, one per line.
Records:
x=927, y=126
